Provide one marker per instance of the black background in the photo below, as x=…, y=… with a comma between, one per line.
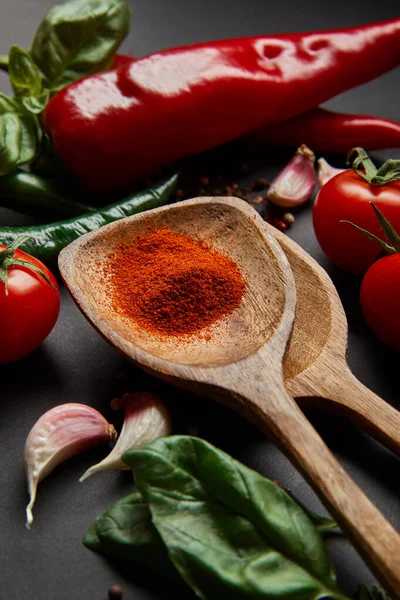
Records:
x=76, y=365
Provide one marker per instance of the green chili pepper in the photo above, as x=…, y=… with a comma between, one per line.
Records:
x=32, y=195
x=52, y=238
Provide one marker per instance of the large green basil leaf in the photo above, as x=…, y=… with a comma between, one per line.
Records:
x=125, y=531
x=26, y=80
x=325, y=525
x=78, y=38
x=20, y=134
x=229, y=531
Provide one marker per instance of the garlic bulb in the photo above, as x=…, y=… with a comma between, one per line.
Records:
x=60, y=433
x=146, y=419
x=326, y=171
x=296, y=182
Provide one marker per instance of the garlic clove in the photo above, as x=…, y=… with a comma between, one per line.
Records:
x=60, y=433
x=296, y=182
x=146, y=419
x=326, y=171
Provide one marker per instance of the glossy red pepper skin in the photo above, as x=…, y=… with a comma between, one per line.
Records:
x=327, y=131
x=113, y=128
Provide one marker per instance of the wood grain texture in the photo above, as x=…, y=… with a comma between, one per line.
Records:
x=245, y=371
x=315, y=363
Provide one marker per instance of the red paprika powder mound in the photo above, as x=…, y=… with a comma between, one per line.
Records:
x=171, y=284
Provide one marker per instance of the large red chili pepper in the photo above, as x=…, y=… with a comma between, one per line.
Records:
x=328, y=131
x=321, y=129
x=113, y=128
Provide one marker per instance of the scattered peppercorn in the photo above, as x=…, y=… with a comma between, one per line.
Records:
x=115, y=592
x=193, y=430
x=260, y=184
x=288, y=218
x=204, y=181
x=279, y=224
x=180, y=194
x=116, y=404
x=216, y=192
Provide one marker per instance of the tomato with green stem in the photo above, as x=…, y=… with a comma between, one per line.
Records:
x=380, y=288
x=347, y=196
x=29, y=302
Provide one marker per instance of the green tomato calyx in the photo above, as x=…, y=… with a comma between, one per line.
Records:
x=7, y=260
x=393, y=247
x=365, y=168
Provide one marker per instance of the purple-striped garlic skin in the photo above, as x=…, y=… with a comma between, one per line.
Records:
x=326, y=172
x=295, y=184
x=61, y=432
x=146, y=419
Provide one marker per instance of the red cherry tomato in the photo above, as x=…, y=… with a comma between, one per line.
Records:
x=29, y=312
x=346, y=197
x=380, y=299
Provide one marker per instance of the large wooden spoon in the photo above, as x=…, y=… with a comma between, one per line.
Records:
x=241, y=365
x=315, y=363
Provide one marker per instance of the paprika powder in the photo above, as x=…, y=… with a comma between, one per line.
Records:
x=170, y=284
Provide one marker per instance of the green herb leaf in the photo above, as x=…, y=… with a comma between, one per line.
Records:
x=4, y=63
x=78, y=38
x=229, y=531
x=20, y=134
x=125, y=531
x=36, y=105
x=325, y=525
x=24, y=74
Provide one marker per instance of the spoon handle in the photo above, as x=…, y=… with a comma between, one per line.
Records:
x=375, y=538
x=347, y=396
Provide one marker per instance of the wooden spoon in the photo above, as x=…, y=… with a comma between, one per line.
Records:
x=315, y=363
x=241, y=364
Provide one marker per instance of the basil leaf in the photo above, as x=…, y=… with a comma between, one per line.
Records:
x=324, y=525
x=4, y=63
x=24, y=74
x=78, y=38
x=229, y=531
x=36, y=105
x=20, y=134
x=125, y=531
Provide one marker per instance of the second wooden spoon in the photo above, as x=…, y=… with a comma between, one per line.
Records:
x=315, y=363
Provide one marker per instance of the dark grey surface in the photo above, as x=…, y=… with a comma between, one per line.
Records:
x=75, y=364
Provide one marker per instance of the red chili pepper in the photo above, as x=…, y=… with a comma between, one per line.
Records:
x=113, y=128
x=328, y=131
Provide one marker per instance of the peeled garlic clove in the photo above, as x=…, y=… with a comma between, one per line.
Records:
x=326, y=171
x=60, y=433
x=296, y=182
x=146, y=419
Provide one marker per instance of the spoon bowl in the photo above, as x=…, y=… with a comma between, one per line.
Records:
x=225, y=228
x=241, y=364
x=315, y=366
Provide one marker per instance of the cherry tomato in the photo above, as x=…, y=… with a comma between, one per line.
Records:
x=380, y=299
x=346, y=197
x=30, y=310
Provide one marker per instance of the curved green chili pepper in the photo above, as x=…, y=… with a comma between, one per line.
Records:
x=34, y=196
x=52, y=238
